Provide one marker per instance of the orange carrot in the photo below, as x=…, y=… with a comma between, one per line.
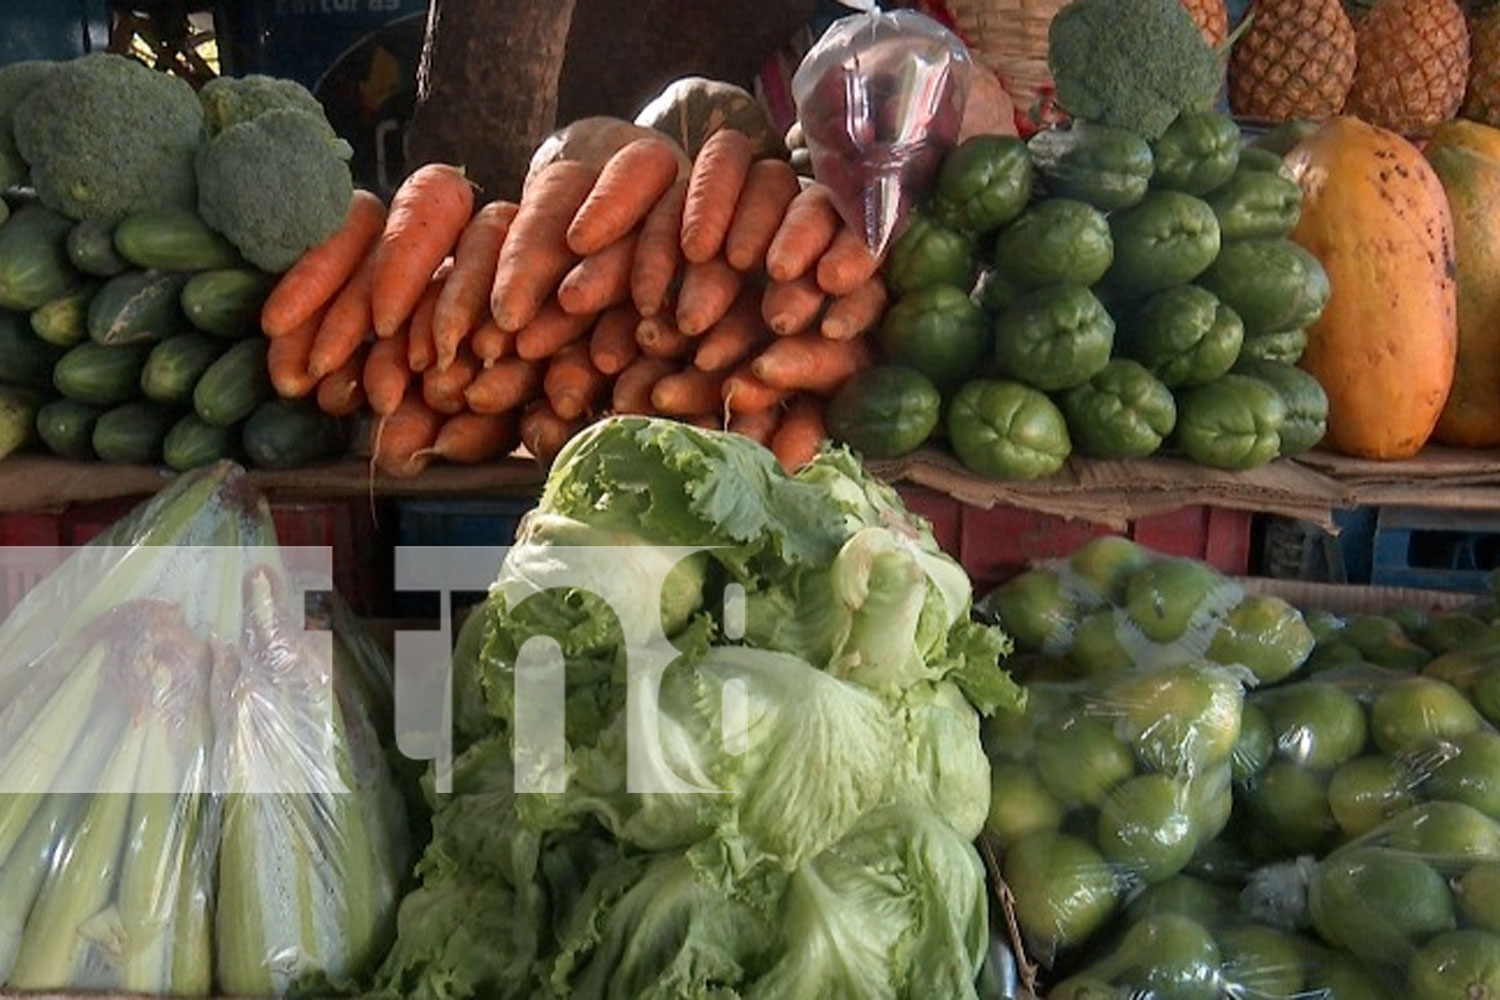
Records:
x=770, y=187
x=421, y=346
x=506, y=385
x=543, y=433
x=806, y=232
x=341, y=393
x=707, y=421
x=744, y=393
x=443, y=388
x=465, y=300
x=632, y=389
x=313, y=281
x=847, y=263
x=287, y=360
x=629, y=184
x=535, y=255
x=345, y=323
x=687, y=392
x=490, y=343
x=708, y=290
x=659, y=337
x=800, y=434
x=549, y=329
x=658, y=252
x=386, y=374
x=612, y=345
x=850, y=315
x=733, y=338
x=757, y=425
x=472, y=438
x=404, y=438
x=810, y=361
x=600, y=280
x=714, y=186
x=790, y=307
x=572, y=384
x=428, y=212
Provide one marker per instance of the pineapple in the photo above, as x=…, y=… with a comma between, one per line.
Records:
x=1413, y=65
x=1295, y=60
x=1212, y=18
x=1482, y=103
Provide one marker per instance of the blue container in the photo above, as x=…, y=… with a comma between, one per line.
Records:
x=488, y=522
x=59, y=29
x=1435, y=549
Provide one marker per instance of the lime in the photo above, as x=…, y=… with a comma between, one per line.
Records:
x=1444, y=831
x=1331, y=654
x=1086, y=987
x=1447, y=631
x=1096, y=648
x=1412, y=713
x=1331, y=976
x=1376, y=903
x=1265, y=634
x=1012, y=734
x=1366, y=791
x=1205, y=902
x=1459, y=965
x=1317, y=724
x=1472, y=774
x=1020, y=804
x=1163, y=596
x=1256, y=743
x=1478, y=896
x=1486, y=692
x=1260, y=961
x=1064, y=891
x=1170, y=957
x=1382, y=641
x=1034, y=609
x=1458, y=667
x=1291, y=803
x=1181, y=718
x=1146, y=827
x=1106, y=564
x=1211, y=799
x=1324, y=625
x=1080, y=760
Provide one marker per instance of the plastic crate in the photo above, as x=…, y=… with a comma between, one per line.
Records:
x=444, y=522
x=1292, y=549
x=1435, y=549
x=943, y=512
x=20, y=532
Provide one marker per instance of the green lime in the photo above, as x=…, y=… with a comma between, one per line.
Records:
x=1413, y=713
x=1317, y=724
x=1260, y=961
x=1163, y=596
x=1205, y=902
x=1332, y=976
x=1325, y=625
x=1487, y=693
x=1458, y=667
x=1180, y=718
x=1256, y=743
x=1381, y=640
x=1332, y=654
x=1034, y=609
x=1478, y=896
x=1444, y=831
x=1080, y=760
x=1012, y=734
x=1171, y=957
x=1106, y=564
x=1472, y=774
x=1096, y=648
x=1211, y=798
x=1366, y=791
x=1086, y=987
x=1447, y=631
x=1146, y=827
x=1264, y=633
x=1291, y=803
x=1377, y=903
x=1020, y=803
x=1064, y=891
x=1459, y=965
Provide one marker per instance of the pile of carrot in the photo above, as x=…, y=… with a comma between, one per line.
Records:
x=734, y=297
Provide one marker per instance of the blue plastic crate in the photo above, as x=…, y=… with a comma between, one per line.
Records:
x=446, y=522
x=1435, y=549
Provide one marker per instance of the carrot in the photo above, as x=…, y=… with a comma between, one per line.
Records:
x=714, y=185
x=341, y=393
x=346, y=321
x=687, y=392
x=800, y=434
x=287, y=360
x=313, y=281
x=421, y=345
x=770, y=186
x=612, y=345
x=629, y=184
x=708, y=290
x=847, y=263
x=806, y=232
x=757, y=425
x=472, y=438
x=535, y=255
x=490, y=343
x=744, y=393
x=549, y=329
x=428, y=213
x=386, y=374
x=707, y=421
x=632, y=389
x=404, y=438
x=544, y=433
x=810, y=361
x=660, y=338
x=731, y=339
x=572, y=384
x=790, y=307
x=600, y=280
x=658, y=252
x=850, y=315
x=464, y=301
x=443, y=388
x=506, y=385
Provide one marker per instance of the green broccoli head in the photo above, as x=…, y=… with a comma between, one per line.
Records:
x=1134, y=64
x=229, y=100
x=106, y=136
x=16, y=81
x=274, y=186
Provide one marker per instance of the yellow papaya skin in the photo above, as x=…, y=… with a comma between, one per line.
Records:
x=1466, y=156
x=1376, y=215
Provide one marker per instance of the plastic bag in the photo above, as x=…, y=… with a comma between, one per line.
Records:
x=881, y=98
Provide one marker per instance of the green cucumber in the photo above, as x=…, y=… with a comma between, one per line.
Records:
x=290, y=434
x=193, y=443
x=176, y=364
x=91, y=249
x=226, y=302
x=100, y=375
x=25, y=358
x=66, y=427
x=132, y=434
x=234, y=385
x=172, y=239
x=34, y=258
x=64, y=321
x=18, y=408
x=137, y=307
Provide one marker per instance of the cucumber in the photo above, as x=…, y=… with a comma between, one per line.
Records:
x=102, y=376
x=64, y=321
x=137, y=307
x=91, y=249
x=18, y=408
x=34, y=263
x=176, y=364
x=290, y=434
x=66, y=427
x=234, y=385
x=4, y=211
x=132, y=434
x=25, y=358
x=172, y=239
x=226, y=302
x=193, y=443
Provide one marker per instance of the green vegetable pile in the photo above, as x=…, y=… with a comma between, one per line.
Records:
x=825, y=686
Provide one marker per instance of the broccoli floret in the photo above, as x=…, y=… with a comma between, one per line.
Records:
x=229, y=100
x=1135, y=64
x=273, y=186
x=106, y=136
x=16, y=81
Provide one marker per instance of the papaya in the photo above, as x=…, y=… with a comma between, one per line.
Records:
x=1466, y=156
x=1375, y=214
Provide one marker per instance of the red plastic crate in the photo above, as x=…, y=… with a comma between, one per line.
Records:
x=943, y=512
x=20, y=531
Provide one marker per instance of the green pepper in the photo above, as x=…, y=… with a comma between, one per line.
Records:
x=1232, y=423
x=1273, y=284
x=1256, y=204
x=1168, y=239
x=1107, y=167
x=1184, y=335
x=1054, y=241
x=1305, y=398
x=1006, y=430
x=937, y=330
x=1280, y=345
x=983, y=183
x=928, y=253
x=1198, y=152
x=1122, y=412
x=885, y=412
x=1054, y=338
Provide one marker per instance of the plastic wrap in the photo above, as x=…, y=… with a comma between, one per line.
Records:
x=198, y=801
